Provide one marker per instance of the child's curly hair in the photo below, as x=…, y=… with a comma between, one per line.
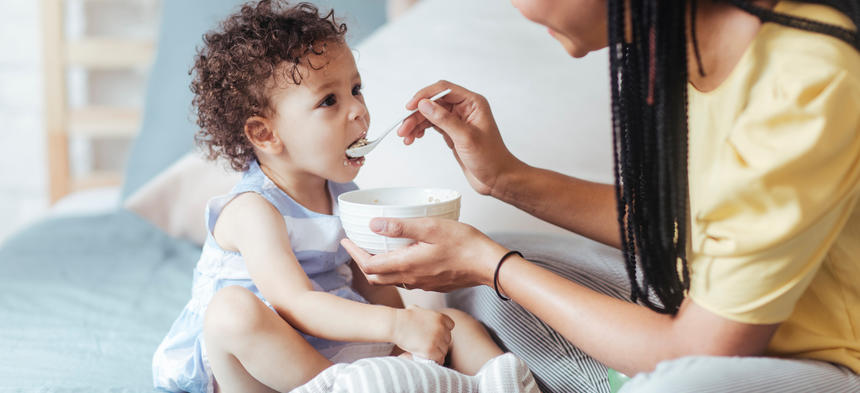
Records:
x=231, y=71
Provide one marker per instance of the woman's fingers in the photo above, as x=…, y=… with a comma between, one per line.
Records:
x=416, y=132
x=358, y=254
x=457, y=94
x=411, y=124
x=441, y=117
x=385, y=268
x=378, y=269
x=416, y=123
x=423, y=229
x=442, y=259
x=413, y=128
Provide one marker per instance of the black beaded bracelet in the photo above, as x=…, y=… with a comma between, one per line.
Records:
x=496, y=275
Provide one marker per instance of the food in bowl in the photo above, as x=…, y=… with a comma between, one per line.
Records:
x=358, y=207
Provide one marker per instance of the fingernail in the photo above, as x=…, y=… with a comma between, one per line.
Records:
x=426, y=107
x=377, y=225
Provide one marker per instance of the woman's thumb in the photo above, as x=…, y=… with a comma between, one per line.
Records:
x=409, y=228
x=387, y=226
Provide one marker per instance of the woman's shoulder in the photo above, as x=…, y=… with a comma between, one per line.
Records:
x=792, y=69
x=815, y=12
x=786, y=49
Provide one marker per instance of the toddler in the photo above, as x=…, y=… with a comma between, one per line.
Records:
x=275, y=298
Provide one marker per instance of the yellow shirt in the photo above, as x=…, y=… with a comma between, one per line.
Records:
x=774, y=167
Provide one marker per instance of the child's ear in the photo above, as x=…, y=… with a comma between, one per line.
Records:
x=259, y=131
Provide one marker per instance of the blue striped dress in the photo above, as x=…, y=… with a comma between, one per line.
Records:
x=180, y=362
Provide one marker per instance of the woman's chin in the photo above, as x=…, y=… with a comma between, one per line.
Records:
x=578, y=53
x=572, y=49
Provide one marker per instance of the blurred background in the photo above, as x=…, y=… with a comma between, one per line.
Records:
x=72, y=80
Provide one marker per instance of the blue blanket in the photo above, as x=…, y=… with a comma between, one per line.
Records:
x=84, y=301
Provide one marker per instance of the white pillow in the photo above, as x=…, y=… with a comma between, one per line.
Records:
x=175, y=200
x=553, y=110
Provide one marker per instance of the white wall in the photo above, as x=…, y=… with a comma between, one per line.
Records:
x=22, y=154
x=23, y=165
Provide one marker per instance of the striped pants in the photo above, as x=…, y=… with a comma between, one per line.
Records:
x=560, y=367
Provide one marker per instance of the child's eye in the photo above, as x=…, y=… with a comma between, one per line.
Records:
x=329, y=100
x=356, y=90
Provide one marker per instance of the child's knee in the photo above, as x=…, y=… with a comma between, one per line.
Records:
x=234, y=311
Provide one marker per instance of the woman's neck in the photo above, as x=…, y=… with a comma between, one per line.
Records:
x=308, y=190
x=723, y=32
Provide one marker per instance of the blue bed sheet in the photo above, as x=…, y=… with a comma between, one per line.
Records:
x=85, y=300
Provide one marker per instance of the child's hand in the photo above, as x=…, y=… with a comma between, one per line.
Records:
x=424, y=333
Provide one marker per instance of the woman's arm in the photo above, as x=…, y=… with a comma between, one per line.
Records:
x=466, y=123
x=581, y=206
x=625, y=336
x=252, y=226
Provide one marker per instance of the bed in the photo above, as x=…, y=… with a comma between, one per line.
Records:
x=87, y=293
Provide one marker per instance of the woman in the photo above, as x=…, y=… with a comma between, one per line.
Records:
x=740, y=236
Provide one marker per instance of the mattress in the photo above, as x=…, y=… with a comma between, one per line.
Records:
x=84, y=301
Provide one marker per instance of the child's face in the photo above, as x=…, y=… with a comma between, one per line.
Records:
x=319, y=118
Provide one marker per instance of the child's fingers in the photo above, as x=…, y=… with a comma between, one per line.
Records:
x=448, y=322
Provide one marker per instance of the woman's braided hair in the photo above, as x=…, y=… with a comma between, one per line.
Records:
x=649, y=115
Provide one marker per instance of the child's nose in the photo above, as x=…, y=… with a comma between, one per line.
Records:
x=358, y=110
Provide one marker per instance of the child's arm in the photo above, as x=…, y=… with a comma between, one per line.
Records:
x=251, y=225
x=377, y=294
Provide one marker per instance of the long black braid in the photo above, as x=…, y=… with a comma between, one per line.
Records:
x=649, y=119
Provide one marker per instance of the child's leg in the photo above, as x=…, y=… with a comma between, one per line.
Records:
x=471, y=345
x=252, y=349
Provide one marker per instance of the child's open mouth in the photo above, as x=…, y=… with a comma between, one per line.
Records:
x=357, y=161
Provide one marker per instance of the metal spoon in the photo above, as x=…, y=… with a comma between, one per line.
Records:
x=354, y=151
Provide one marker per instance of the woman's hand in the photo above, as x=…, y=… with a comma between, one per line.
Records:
x=448, y=255
x=465, y=121
x=424, y=333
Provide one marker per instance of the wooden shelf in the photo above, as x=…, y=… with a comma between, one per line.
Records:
x=63, y=123
x=104, y=122
x=109, y=53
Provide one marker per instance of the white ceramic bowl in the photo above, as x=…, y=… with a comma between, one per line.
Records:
x=358, y=207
